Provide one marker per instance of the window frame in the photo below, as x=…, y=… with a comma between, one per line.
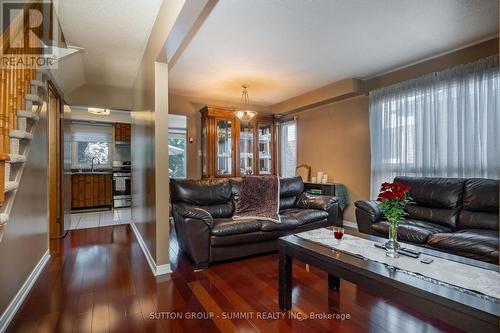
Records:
x=282, y=126
x=179, y=132
x=77, y=138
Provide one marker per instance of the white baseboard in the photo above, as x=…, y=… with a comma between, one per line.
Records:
x=155, y=269
x=18, y=300
x=163, y=269
x=350, y=224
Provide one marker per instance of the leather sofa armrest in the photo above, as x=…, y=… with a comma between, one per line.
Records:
x=371, y=207
x=367, y=213
x=321, y=202
x=199, y=214
x=193, y=235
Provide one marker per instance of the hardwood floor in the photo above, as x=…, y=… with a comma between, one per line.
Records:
x=99, y=281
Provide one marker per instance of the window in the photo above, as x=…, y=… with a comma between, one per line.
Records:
x=288, y=148
x=439, y=125
x=177, y=146
x=89, y=142
x=86, y=151
x=177, y=153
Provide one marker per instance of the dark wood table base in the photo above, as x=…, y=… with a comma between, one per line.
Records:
x=285, y=278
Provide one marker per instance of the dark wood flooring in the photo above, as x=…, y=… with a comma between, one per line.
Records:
x=98, y=280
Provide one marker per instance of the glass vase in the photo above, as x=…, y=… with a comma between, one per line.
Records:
x=392, y=245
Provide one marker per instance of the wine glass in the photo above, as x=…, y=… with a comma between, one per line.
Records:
x=338, y=233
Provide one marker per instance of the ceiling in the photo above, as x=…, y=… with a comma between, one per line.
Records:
x=113, y=35
x=285, y=48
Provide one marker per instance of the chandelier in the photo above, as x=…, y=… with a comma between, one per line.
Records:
x=244, y=114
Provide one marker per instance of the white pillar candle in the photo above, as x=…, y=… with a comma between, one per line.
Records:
x=320, y=176
x=325, y=178
x=313, y=180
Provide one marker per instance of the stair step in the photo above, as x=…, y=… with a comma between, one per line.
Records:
x=16, y=158
x=22, y=124
x=37, y=83
x=14, y=145
x=33, y=98
x=42, y=72
x=27, y=114
x=3, y=218
x=6, y=171
x=11, y=186
x=19, y=134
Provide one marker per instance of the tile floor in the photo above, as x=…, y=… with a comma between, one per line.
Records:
x=100, y=219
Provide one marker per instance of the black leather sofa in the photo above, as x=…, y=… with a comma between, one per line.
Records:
x=454, y=215
x=206, y=232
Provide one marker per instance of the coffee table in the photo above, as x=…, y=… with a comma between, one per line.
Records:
x=467, y=311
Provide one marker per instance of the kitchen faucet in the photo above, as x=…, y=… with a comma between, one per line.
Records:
x=92, y=162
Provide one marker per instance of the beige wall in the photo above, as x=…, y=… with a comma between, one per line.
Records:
x=25, y=237
x=143, y=177
x=335, y=139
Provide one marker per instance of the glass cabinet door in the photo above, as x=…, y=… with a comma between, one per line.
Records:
x=246, y=149
x=265, y=149
x=224, y=153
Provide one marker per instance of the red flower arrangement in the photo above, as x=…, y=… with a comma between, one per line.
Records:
x=390, y=191
x=393, y=199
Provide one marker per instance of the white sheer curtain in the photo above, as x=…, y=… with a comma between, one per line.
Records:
x=445, y=124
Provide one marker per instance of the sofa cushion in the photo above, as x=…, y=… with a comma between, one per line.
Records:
x=290, y=188
x=304, y=215
x=434, y=192
x=435, y=200
x=442, y=216
x=287, y=202
x=224, y=210
x=288, y=222
x=415, y=231
x=481, y=195
x=480, y=205
x=204, y=192
x=224, y=227
x=473, y=243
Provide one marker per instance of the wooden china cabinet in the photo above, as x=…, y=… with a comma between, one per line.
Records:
x=232, y=148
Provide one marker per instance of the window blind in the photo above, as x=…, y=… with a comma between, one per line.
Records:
x=91, y=133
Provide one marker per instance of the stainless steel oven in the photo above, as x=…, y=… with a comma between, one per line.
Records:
x=122, y=193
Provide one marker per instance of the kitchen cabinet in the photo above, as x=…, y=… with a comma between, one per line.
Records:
x=91, y=190
x=123, y=132
x=232, y=148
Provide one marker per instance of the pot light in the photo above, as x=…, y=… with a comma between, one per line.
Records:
x=100, y=112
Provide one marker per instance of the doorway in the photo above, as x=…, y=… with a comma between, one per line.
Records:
x=59, y=218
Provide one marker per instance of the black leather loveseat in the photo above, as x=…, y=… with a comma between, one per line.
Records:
x=203, y=210
x=454, y=215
